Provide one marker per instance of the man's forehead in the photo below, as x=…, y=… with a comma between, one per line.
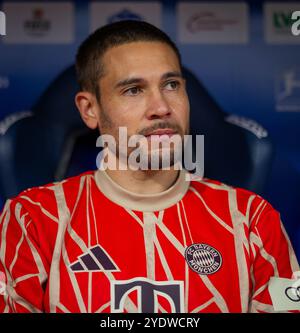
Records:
x=140, y=59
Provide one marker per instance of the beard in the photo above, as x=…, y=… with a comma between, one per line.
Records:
x=152, y=154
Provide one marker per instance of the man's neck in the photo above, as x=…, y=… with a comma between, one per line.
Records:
x=144, y=181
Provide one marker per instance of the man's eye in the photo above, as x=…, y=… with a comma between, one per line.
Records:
x=132, y=91
x=172, y=85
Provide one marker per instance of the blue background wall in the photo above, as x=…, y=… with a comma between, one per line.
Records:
x=242, y=78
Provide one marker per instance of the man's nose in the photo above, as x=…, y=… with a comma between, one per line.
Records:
x=158, y=106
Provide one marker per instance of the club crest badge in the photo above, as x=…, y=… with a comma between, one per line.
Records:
x=203, y=259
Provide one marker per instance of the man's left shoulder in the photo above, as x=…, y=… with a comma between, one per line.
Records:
x=219, y=186
x=244, y=200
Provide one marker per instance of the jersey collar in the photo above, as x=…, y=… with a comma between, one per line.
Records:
x=142, y=202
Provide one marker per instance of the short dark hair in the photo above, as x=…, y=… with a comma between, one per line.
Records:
x=89, y=67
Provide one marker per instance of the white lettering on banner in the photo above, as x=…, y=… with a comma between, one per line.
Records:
x=2, y=24
x=296, y=25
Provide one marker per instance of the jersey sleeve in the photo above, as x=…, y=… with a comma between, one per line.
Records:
x=23, y=267
x=273, y=255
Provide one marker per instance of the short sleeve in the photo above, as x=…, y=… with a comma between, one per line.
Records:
x=273, y=256
x=23, y=267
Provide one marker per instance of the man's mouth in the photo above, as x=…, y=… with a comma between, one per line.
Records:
x=160, y=132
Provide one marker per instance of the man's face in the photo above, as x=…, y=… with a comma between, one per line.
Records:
x=142, y=89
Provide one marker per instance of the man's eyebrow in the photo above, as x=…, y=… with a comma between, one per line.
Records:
x=172, y=74
x=138, y=80
x=127, y=82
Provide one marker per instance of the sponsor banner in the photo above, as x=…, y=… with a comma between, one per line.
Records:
x=39, y=22
x=279, y=24
x=102, y=13
x=212, y=23
x=287, y=90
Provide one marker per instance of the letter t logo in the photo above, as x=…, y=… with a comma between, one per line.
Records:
x=148, y=291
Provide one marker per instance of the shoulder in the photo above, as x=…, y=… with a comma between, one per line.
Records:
x=40, y=192
x=42, y=201
x=216, y=188
x=251, y=205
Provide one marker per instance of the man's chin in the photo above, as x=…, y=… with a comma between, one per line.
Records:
x=162, y=159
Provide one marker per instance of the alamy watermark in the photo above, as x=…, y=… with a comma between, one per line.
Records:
x=296, y=25
x=2, y=24
x=152, y=152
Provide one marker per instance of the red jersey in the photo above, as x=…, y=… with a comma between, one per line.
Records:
x=88, y=245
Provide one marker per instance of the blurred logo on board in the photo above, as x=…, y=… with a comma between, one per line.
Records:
x=287, y=90
x=38, y=24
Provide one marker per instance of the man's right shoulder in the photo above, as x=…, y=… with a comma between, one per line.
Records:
x=44, y=198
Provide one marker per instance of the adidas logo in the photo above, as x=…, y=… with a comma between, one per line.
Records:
x=96, y=259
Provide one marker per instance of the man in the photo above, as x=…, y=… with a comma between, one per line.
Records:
x=133, y=239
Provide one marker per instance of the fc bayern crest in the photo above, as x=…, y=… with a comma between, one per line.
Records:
x=203, y=259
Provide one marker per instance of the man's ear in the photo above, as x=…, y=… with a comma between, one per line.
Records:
x=88, y=108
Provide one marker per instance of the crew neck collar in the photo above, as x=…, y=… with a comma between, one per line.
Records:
x=142, y=202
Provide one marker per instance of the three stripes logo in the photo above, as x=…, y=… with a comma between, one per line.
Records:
x=203, y=259
x=96, y=259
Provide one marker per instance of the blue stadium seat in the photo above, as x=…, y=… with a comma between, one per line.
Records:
x=51, y=142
